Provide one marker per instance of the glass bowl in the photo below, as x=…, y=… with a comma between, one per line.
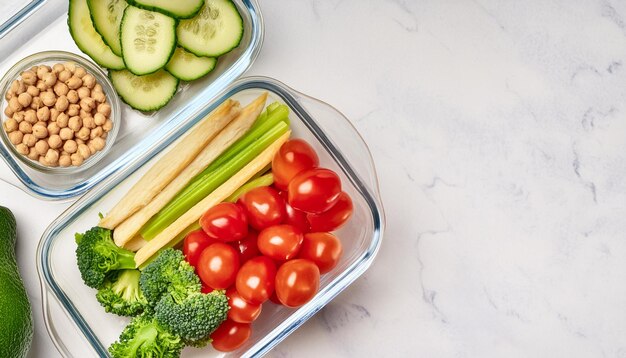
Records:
x=50, y=58
x=340, y=148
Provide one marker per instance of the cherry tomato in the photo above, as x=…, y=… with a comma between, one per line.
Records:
x=322, y=248
x=218, y=266
x=206, y=289
x=293, y=157
x=274, y=299
x=255, y=279
x=241, y=310
x=334, y=217
x=280, y=242
x=264, y=207
x=314, y=190
x=230, y=335
x=297, y=281
x=295, y=217
x=194, y=243
x=247, y=247
x=225, y=222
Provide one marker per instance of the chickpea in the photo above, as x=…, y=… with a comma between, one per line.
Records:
x=97, y=88
x=89, y=81
x=9, y=95
x=16, y=137
x=64, y=76
x=54, y=114
x=92, y=147
x=15, y=105
x=84, y=151
x=96, y=132
x=65, y=160
x=29, y=77
x=8, y=111
x=14, y=86
x=42, y=161
x=43, y=114
x=73, y=97
x=57, y=68
x=83, y=134
x=52, y=156
x=88, y=104
x=70, y=66
x=55, y=141
x=73, y=110
x=22, y=149
x=41, y=86
x=99, y=118
x=83, y=92
x=36, y=103
x=99, y=97
x=80, y=72
x=49, y=79
x=11, y=125
x=89, y=122
x=29, y=140
x=61, y=89
x=32, y=91
x=70, y=146
x=105, y=109
x=19, y=116
x=63, y=120
x=77, y=159
x=41, y=147
x=108, y=125
x=48, y=98
x=41, y=71
x=34, y=69
x=74, y=82
x=25, y=99
x=98, y=143
x=61, y=104
x=40, y=131
x=25, y=127
x=75, y=123
x=21, y=88
x=66, y=133
x=32, y=154
x=30, y=116
x=53, y=128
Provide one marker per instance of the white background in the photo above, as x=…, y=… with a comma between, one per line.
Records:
x=499, y=133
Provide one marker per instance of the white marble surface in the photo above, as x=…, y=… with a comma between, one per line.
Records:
x=499, y=132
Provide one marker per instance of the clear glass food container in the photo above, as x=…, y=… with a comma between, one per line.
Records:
x=41, y=25
x=51, y=58
x=70, y=307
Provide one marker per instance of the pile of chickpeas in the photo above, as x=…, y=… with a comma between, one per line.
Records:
x=58, y=116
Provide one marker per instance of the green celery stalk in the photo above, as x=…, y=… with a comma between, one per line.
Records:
x=209, y=181
x=264, y=180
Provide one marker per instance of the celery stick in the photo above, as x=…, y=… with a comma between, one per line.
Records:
x=265, y=180
x=207, y=182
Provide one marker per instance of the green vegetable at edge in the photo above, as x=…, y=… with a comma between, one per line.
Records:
x=16, y=327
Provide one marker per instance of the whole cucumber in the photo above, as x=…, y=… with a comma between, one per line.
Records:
x=16, y=319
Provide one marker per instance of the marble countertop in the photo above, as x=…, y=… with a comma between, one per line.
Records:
x=499, y=134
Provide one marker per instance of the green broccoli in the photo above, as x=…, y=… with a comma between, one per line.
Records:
x=97, y=256
x=145, y=337
x=121, y=295
x=194, y=317
x=168, y=273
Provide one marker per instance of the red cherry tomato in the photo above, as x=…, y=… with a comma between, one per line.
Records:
x=274, y=299
x=293, y=157
x=218, y=266
x=206, y=289
x=295, y=217
x=194, y=243
x=280, y=242
x=247, y=247
x=230, y=335
x=264, y=207
x=297, y=281
x=241, y=310
x=225, y=222
x=255, y=279
x=315, y=190
x=322, y=248
x=334, y=217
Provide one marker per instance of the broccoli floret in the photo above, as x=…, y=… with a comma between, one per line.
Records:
x=168, y=273
x=145, y=337
x=193, y=318
x=97, y=256
x=121, y=295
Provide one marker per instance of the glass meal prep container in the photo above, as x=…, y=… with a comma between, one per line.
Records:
x=77, y=323
x=41, y=25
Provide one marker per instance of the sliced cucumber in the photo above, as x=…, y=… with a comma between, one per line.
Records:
x=188, y=67
x=180, y=9
x=86, y=37
x=145, y=93
x=148, y=40
x=107, y=16
x=216, y=30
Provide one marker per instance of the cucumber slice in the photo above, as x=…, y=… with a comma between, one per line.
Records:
x=148, y=40
x=107, y=16
x=188, y=67
x=145, y=93
x=180, y=9
x=86, y=37
x=216, y=30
